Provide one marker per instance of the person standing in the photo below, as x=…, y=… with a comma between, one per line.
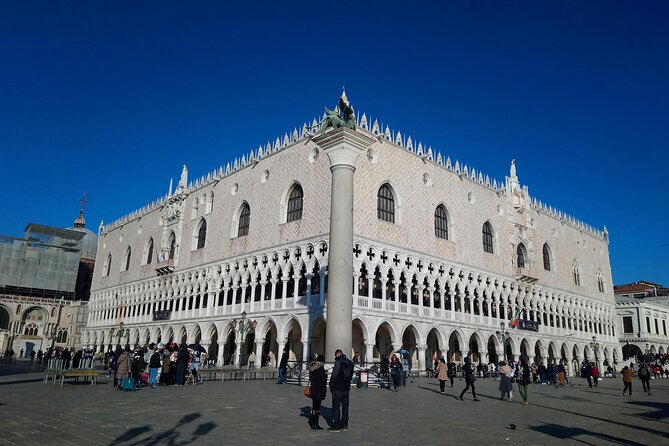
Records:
x=182, y=362
x=627, y=379
x=122, y=368
x=396, y=370
x=154, y=366
x=586, y=371
x=644, y=376
x=318, y=380
x=283, y=365
x=340, y=386
x=470, y=378
x=505, y=384
x=32, y=356
x=524, y=379
x=442, y=374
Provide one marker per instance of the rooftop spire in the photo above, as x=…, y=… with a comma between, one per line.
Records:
x=80, y=221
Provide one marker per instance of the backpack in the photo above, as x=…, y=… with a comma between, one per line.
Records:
x=346, y=370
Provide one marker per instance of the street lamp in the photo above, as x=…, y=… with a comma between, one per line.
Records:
x=502, y=335
x=595, y=348
x=120, y=333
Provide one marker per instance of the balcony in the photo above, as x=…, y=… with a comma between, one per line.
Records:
x=526, y=275
x=165, y=267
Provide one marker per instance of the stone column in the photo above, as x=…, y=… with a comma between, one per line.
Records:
x=369, y=353
x=305, y=355
x=420, y=349
x=342, y=146
x=238, y=351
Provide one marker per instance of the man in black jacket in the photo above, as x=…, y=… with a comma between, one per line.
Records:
x=340, y=386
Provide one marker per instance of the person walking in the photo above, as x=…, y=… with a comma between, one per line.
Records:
x=283, y=365
x=562, y=374
x=318, y=380
x=154, y=366
x=595, y=375
x=396, y=370
x=470, y=378
x=442, y=374
x=627, y=379
x=340, y=386
x=505, y=384
x=644, y=376
x=524, y=379
x=452, y=370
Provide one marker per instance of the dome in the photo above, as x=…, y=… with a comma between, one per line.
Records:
x=88, y=244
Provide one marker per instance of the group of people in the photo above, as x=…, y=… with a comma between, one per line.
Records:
x=340, y=387
x=156, y=365
x=644, y=373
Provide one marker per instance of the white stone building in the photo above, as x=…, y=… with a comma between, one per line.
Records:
x=442, y=255
x=643, y=310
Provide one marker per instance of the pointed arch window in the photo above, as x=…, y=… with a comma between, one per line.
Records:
x=520, y=254
x=600, y=283
x=487, y=238
x=148, y=252
x=385, y=204
x=576, y=274
x=441, y=222
x=244, y=220
x=202, y=235
x=547, y=257
x=107, y=266
x=295, y=203
x=173, y=245
x=128, y=252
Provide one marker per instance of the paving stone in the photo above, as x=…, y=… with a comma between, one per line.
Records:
x=263, y=413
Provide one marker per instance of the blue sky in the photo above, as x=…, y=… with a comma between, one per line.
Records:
x=111, y=98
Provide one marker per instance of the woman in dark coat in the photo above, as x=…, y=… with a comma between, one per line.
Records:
x=470, y=377
x=318, y=380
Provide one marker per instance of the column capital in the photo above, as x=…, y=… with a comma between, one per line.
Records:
x=343, y=146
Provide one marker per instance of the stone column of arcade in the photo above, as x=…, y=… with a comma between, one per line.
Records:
x=343, y=146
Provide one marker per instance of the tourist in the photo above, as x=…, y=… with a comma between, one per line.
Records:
x=595, y=375
x=395, y=372
x=452, y=370
x=283, y=365
x=524, y=379
x=470, y=378
x=21, y=353
x=182, y=362
x=505, y=384
x=627, y=379
x=340, y=386
x=586, y=372
x=166, y=371
x=644, y=376
x=318, y=380
x=562, y=374
x=32, y=356
x=123, y=368
x=154, y=365
x=40, y=354
x=442, y=374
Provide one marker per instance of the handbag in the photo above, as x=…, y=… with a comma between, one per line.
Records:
x=307, y=391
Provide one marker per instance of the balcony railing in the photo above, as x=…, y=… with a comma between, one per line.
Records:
x=526, y=275
x=165, y=267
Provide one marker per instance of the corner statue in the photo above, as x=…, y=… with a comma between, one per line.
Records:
x=341, y=116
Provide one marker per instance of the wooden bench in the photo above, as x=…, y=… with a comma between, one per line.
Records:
x=73, y=373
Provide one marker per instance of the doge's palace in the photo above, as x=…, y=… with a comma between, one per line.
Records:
x=445, y=261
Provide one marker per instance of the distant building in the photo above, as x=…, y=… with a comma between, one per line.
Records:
x=643, y=309
x=45, y=282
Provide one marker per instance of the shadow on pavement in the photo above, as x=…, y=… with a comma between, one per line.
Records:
x=326, y=414
x=172, y=436
x=605, y=420
x=568, y=433
x=21, y=381
x=659, y=414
